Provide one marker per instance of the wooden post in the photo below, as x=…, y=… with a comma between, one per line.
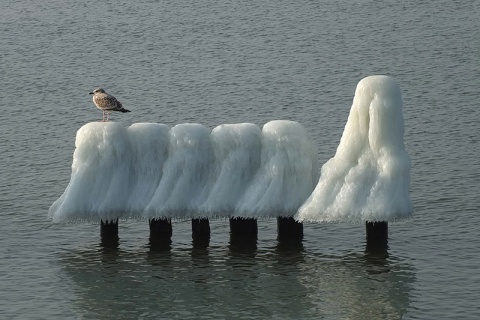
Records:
x=243, y=226
x=160, y=228
x=243, y=235
x=377, y=231
x=109, y=233
x=377, y=236
x=109, y=228
x=200, y=233
x=200, y=227
x=160, y=234
x=288, y=228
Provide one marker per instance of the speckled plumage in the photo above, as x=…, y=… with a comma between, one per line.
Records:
x=106, y=103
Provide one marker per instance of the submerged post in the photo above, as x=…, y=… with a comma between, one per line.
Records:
x=377, y=231
x=288, y=228
x=243, y=226
x=200, y=233
x=109, y=233
x=243, y=236
x=200, y=227
x=109, y=228
x=160, y=234
x=160, y=228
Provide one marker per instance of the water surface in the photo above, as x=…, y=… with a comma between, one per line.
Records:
x=216, y=62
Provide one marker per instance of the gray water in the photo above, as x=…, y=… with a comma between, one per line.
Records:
x=216, y=62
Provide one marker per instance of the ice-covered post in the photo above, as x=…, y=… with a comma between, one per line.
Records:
x=286, y=176
x=115, y=172
x=368, y=179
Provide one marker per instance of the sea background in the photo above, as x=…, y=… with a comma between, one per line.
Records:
x=217, y=62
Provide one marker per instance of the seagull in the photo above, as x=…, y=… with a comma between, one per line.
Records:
x=106, y=103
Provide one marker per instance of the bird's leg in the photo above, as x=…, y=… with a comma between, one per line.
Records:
x=103, y=115
x=107, y=115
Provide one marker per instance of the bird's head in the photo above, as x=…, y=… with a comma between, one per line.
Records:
x=98, y=90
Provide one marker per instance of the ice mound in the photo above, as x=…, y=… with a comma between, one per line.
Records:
x=368, y=179
x=150, y=171
x=287, y=172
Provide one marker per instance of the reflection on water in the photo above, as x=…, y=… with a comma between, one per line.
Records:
x=244, y=278
x=156, y=244
x=372, y=285
x=200, y=242
x=109, y=241
x=376, y=248
x=243, y=245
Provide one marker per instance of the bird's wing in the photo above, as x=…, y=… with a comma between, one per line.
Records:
x=108, y=102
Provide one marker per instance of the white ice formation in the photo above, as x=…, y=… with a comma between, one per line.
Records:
x=150, y=171
x=368, y=179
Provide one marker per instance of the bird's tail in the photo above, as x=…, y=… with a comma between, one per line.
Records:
x=123, y=110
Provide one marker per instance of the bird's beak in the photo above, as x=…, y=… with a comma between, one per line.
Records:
x=90, y=93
